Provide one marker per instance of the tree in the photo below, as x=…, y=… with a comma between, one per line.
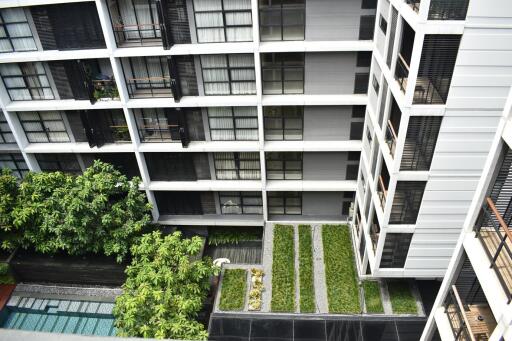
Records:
x=165, y=289
x=9, y=188
x=99, y=211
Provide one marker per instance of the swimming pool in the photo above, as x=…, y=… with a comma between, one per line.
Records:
x=58, y=316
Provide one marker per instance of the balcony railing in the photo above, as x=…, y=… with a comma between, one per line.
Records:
x=169, y=133
x=496, y=239
x=382, y=191
x=138, y=35
x=402, y=72
x=149, y=87
x=391, y=138
x=415, y=4
x=459, y=322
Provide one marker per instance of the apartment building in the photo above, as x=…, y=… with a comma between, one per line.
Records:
x=440, y=75
x=233, y=112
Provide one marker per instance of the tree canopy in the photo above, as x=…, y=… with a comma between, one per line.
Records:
x=165, y=289
x=100, y=211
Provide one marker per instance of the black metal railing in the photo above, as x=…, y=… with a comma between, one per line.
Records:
x=382, y=191
x=401, y=72
x=391, y=138
x=149, y=87
x=415, y=4
x=448, y=10
x=138, y=35
x=454, y=309
x=496, y=239
x=169, y=133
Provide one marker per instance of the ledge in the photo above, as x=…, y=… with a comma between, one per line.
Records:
x=78, y=147
x=63, y=104
x=312, y=185
x=316, y=46
x=194, y=101
x=200, y=146
x=212, y=220
x=313, y=146
x=41, y=56
x=206, y=185
x=340, y=99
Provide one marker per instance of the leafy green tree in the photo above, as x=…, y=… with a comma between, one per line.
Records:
x=9, y=188
x=100, y=211
x=165, y=289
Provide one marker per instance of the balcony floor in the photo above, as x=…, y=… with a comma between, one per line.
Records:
x=151, y=93
x=503, y=264
x=481, y=321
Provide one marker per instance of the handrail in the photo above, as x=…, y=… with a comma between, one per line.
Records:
x=404, y=62
x=392, y=129
x=461, y=309
x=499, y=218
x=381, y=183
x=150, y=78
x=133, y=25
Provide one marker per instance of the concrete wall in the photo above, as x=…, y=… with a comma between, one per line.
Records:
x=322, y=203
x=334, y=19
x=323, y=166
x=327, y=123
x=329, y=73
x=380, y=38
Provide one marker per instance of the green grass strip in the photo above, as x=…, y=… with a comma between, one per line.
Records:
x=307, y=289
x=234, y=288
x=372, y=297
x=402, y=300
x=283, y=269
x=340, y=273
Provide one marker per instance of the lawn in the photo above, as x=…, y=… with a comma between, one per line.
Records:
x=234, y=287
x=340, y=272
x=283, y=269
x=402, y=300
x=307, y=289
x=372, y=297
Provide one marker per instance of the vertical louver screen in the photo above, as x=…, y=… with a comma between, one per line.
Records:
x=395, y=250
x=420, y=142
x=448, y=10
x=187, y=75
x=44, y=27
x=171, y=166
x=176, y=20
x=436, y=68
x=501, y=193
x=178, y=203
x=366, y=27
x=407, y=202
x=361, y=83
x=392, y=33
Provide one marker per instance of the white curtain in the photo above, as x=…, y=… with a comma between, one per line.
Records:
x=14, y=82
x=15, y=22
x=225, y=167
x=215, y=75
x=249, y=166
x=221, y=124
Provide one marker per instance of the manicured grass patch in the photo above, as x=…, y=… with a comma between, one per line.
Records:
x=372, y=297
x=234, y=287
x=340, y=273
x=283, y=269
x=402, y=300
x=307, y=289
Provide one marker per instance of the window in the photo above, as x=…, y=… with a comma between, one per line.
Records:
x=284, y=166
x=407, y=201
x=241, y=203
x=366, y=26
x=66, y=163
x=364, y=59
x=15, y=162
x=282, y=73
x=396, y=248
x=26, y=81
x=15, y=32
x=448, y=10
x=44, y=126
x=223, y=20
x=369, y=4
x=233, y=123
x=375, y=84
x=361, y=83
x=282, y=20
x=356, y=130
x=283, y=123
x=231, y=74
x=420, y=142
x=6, y=135
x=284, y=203
x=358, y=111
x=147, y=77
x=237, y=166
x=383, y=24
x=152, y=125
x=352, y=172
x=354, y=156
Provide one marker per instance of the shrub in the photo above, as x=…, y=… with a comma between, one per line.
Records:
x=232, y=235
x=234, y=287
x=307, y=288
x=283, y=269
x=340, y=273
x=165, y=289
x=9, y=188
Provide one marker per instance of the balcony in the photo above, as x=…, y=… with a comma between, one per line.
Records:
x=470, y=321
x=496, y=239
x=415, y=5
x=149, y=87
x=404, y=55
x=137, y=35
x=448, y=10
x=402, y=72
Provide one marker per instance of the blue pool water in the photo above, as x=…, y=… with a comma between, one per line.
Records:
x=58, y=316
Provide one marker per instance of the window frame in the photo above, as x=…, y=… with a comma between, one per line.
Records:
x=383, y=24
x=224, y=26
x=41, y=122
x=278, y=63
x=10, y=39
x=282, y=116
x=237, y=158
x=26, y=76
x=284, y=170
x=17, y=159
x=228, y=69
x=159, y=114
x=242, y=204
x=285, y=198
x=58, y=160
x=280, y=8
x=5, y=132
x=234, y=116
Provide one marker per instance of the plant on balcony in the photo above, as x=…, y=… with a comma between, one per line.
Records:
x=100, y=212
x=234, y=288
x=165, y=289
x=283, y=269
x=340, y=273
x=9, y=188
x=307, y=288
